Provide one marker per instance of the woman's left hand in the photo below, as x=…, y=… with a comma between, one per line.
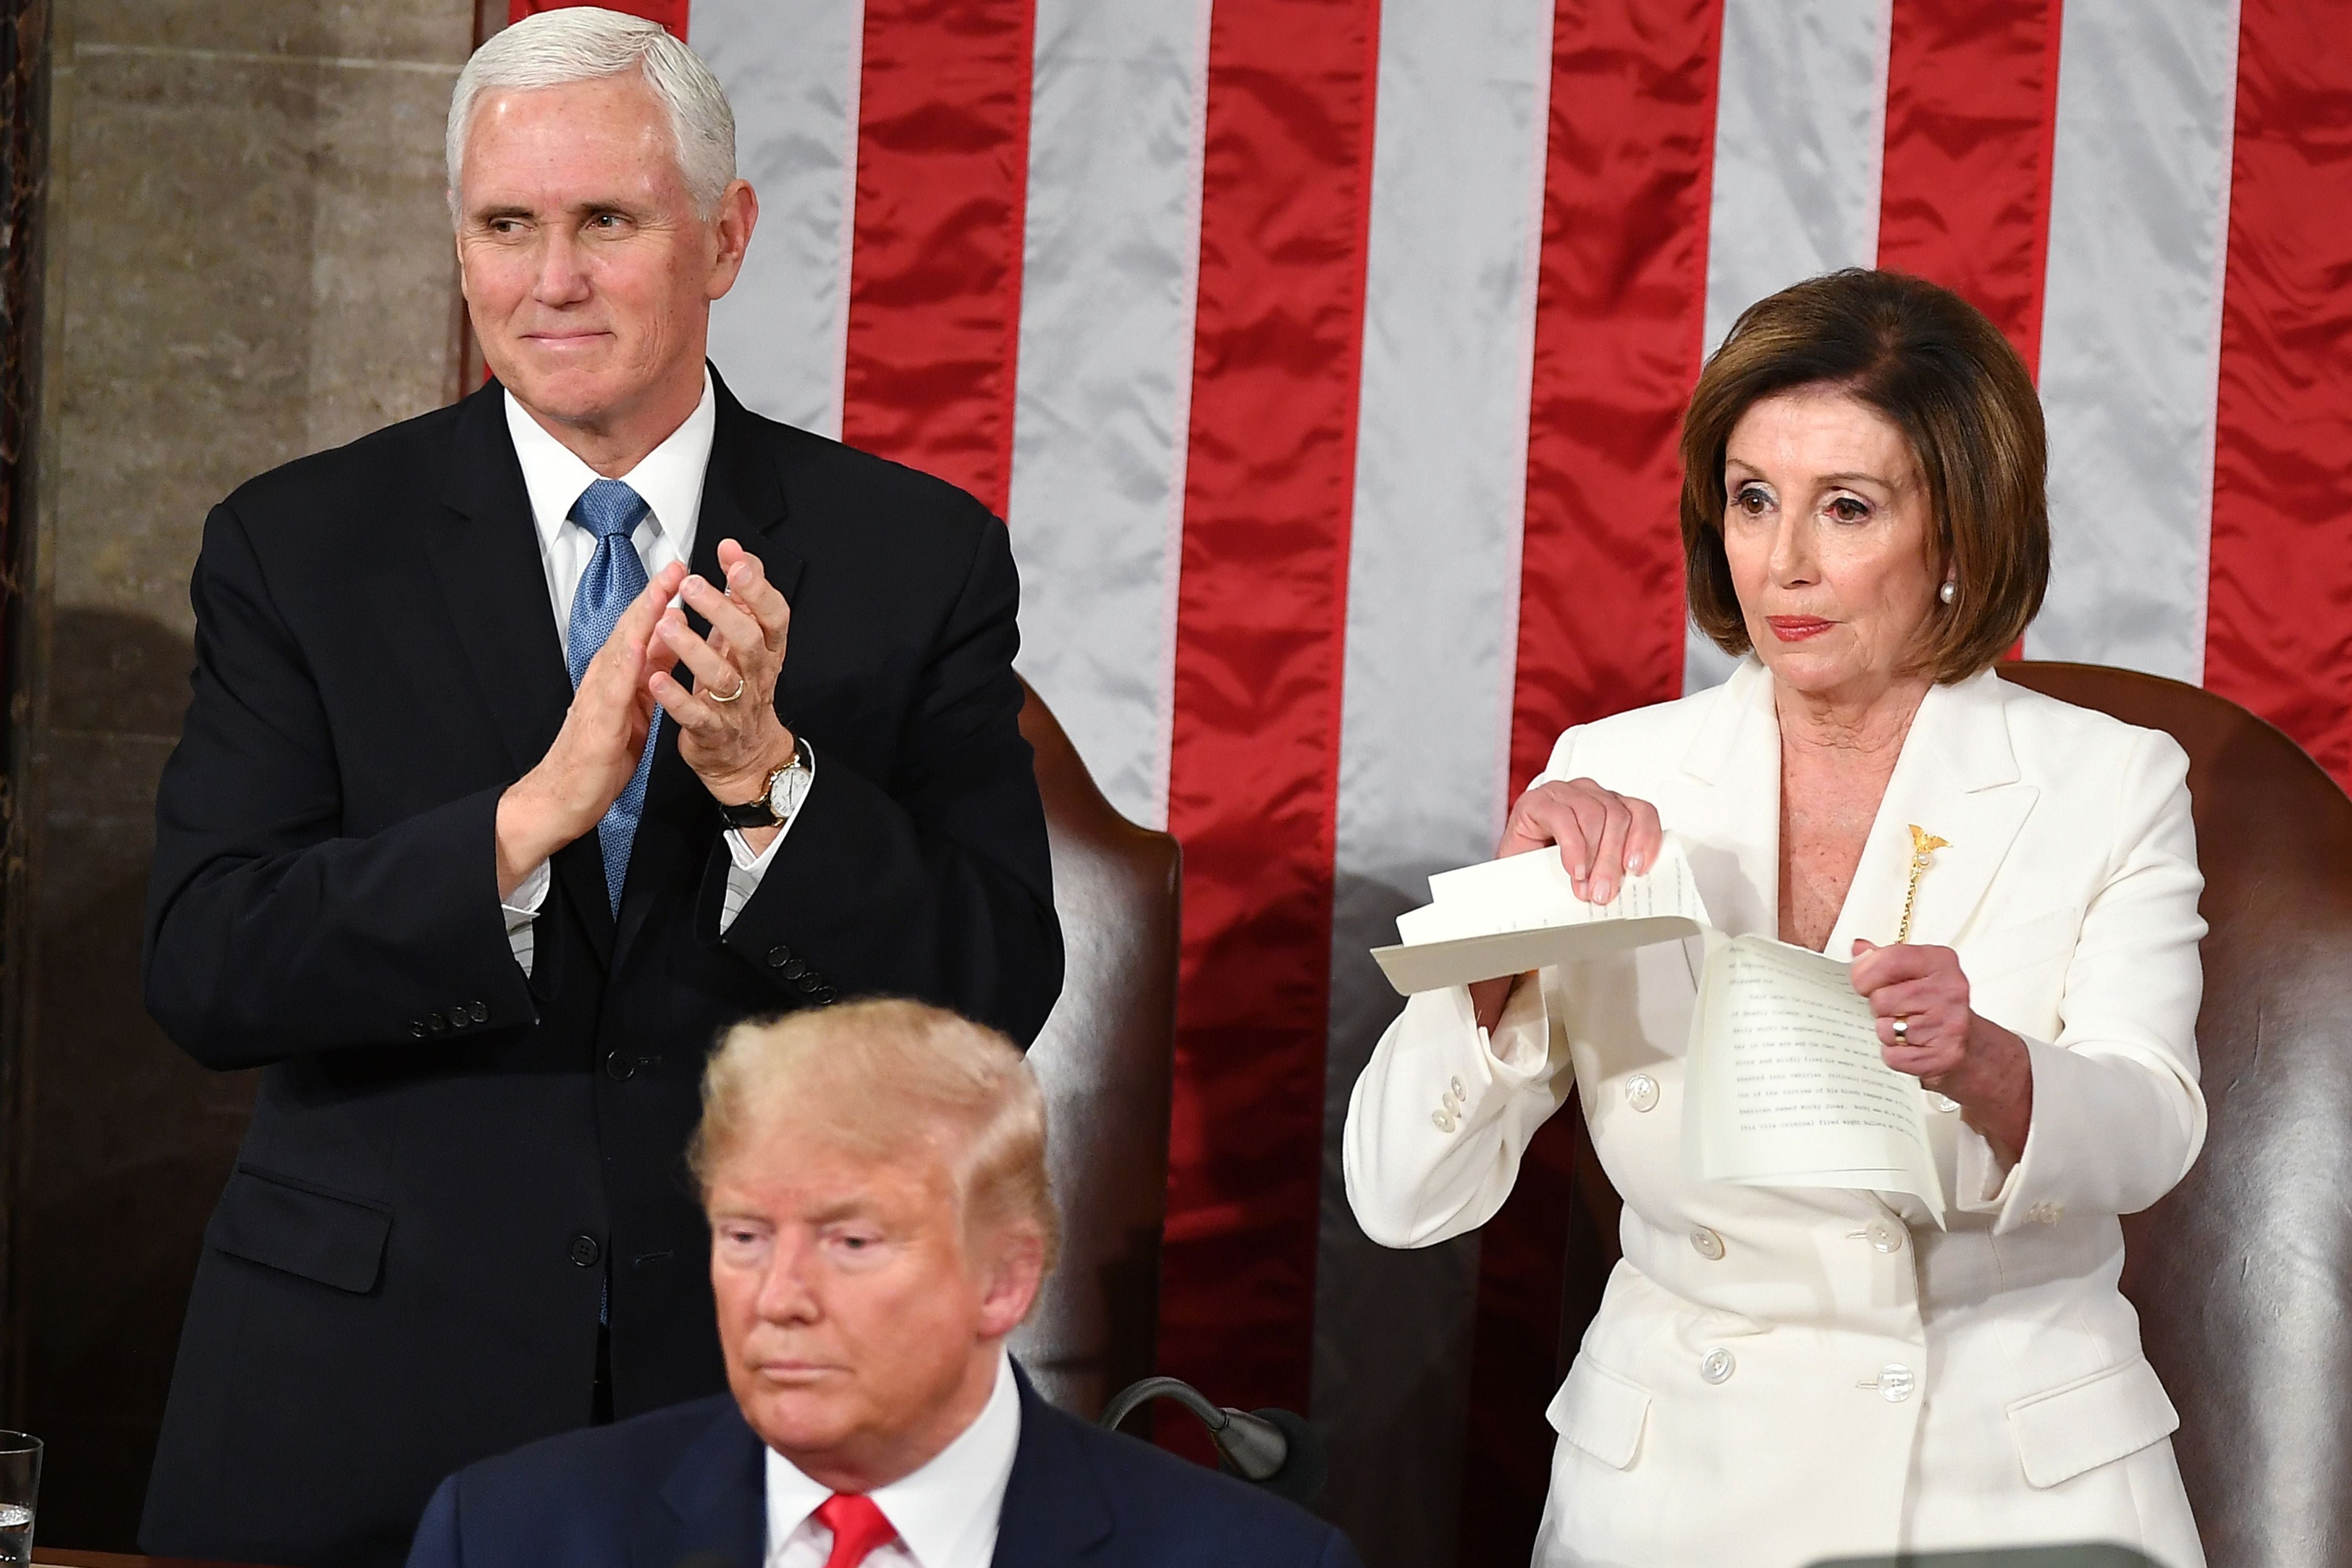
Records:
x=1942, y=1042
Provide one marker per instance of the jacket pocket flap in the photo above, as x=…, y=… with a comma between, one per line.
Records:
x=2091, y=1422
x=1600, y=1413
x=336, y=1241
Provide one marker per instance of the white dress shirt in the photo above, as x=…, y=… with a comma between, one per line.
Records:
x=669, y=478
x=945, y=1513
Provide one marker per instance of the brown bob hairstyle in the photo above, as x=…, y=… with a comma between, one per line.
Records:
x=1943, y=375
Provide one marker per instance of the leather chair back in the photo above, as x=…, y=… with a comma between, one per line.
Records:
x=2242, y=1274
x=1106, y=1060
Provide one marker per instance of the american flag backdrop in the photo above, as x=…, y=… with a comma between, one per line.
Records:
x=1327, y=356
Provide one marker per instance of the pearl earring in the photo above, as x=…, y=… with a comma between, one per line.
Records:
x=1949, y=592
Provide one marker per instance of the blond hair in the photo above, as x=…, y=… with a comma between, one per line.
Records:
x=880, y=1081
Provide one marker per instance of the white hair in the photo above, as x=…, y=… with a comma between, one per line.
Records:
x=587, y=43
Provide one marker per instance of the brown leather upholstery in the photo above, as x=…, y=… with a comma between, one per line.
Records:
x=1106, y=1060
x=2243, y=1276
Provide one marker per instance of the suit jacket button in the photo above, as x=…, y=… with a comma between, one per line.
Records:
x=479, y=1011
x=794, y=969
x=1706, y=1242
x=1641, y=1091
x=460, y=1018
x=809, y=985
x=1717, y=1366
x=436, y=1023
x=620, y=1066
x=416, y=1027
x=585, y=1250
x=825, y=995
x=778, y=955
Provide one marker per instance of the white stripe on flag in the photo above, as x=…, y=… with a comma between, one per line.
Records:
x=2131, y=333
x=1432, y=634
x=1800, y=139
x=1102, y=415
x=791, y=71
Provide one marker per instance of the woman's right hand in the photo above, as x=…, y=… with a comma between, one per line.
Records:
x=1603, y=838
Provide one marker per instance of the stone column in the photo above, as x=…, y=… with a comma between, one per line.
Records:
x=247, y=258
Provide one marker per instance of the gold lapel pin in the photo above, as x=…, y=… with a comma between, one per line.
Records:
x=1924, y=844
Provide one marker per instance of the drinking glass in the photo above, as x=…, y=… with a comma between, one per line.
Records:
x=20, y=1485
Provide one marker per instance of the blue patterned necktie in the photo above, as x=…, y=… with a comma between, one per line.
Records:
x=615, y=577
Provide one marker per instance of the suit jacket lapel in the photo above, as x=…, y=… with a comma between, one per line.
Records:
x=1957, y=779
x=1737, y=752
x=743, y=499
x=1054, y=1511
x=485, y=555
x=717, y=1493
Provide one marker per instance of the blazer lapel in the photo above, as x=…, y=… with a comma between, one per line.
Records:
x=1957, y=779
x=1737, y=752
x=743, y=499
x=719, y=1495
x=485, y=556
x=1055, y=1512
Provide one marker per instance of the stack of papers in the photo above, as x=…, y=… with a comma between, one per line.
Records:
x=1787, y=1085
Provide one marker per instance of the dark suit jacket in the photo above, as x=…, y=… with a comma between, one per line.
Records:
x=449, y=1164
x=650, y=1492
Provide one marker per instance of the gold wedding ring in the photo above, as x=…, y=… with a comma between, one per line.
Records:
x=741, y=681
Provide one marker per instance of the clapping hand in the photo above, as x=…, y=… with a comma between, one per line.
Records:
x=596, y=754
x=728, y=730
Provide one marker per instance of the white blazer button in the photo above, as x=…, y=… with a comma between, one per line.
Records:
x=1641, y=1091
x=1886, y=1236
x=1445, y=1120
x=1715, y=1365
x=1895, y=1383
x=1706, y=1243
x=1454, y=1086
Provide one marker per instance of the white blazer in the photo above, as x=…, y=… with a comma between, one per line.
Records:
x=1775, y=1375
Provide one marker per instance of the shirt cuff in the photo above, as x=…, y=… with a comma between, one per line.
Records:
x=520, y=909
x=522, y=905
x=746, y=868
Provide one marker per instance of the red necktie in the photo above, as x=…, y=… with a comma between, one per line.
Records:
x=857, y=1528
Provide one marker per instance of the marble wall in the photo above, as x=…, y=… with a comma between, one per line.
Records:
x=247, y=258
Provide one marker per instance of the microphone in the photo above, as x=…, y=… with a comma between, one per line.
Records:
x=1272, y=1448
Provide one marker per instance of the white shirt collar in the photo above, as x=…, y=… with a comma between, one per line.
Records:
x=945, y=1512
x=670, y=476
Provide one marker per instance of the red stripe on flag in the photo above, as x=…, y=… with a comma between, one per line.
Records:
x=671, y=14
x=1971, y=117
x=935, y=261
x=1260, y=616
x=1620, y=319
x=2279, y=618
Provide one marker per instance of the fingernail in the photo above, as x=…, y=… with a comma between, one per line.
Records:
x=1633, y=862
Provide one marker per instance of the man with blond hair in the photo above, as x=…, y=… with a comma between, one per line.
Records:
x=534, y=742
x=880, y=1220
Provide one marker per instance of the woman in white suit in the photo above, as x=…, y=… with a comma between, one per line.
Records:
x=1780, y=1376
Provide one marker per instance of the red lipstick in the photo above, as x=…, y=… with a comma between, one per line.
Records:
x=1797, y=628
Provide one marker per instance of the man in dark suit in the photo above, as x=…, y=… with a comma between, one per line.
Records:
x=880, y=1219
x=417, y=859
